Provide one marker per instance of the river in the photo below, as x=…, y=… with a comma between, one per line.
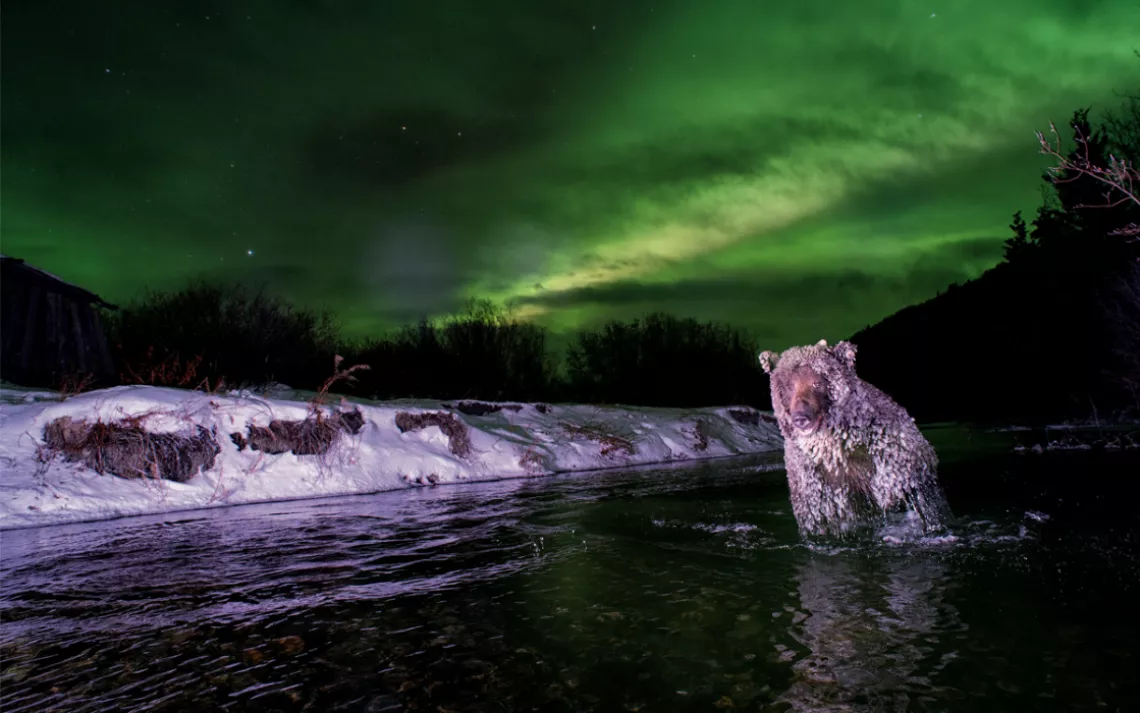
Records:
x=683, y=588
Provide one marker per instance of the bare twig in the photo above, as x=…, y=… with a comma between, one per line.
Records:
x=345, y=375
x=170, y=370
x=1120, y=176
x=74, y=384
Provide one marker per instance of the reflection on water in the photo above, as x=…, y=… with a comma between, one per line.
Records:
x=672, y=590
x=874, y=629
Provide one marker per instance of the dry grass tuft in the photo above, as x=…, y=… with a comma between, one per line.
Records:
x=749, y=417
x=700, y=433
x=482, y=408
x=532, y=462
x=169, y=370
x=128, y=450
x=313, y=435
x=610, y=442
x=348, y=376
x=458, y=437
x=74, y=384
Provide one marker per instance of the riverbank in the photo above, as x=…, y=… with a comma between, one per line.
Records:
x=137, y=450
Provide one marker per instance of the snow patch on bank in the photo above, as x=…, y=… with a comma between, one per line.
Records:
x=392, y=449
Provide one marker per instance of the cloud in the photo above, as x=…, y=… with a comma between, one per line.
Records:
x=411, y=269
x=783, y=308
x=715, y=160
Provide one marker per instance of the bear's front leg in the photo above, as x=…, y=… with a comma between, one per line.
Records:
x=806, y=489
x=907, y=479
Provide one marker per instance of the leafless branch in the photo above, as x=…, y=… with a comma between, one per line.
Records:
x=1120, y=176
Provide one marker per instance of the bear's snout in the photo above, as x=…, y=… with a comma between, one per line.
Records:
x=806, y=397
x=805, y=417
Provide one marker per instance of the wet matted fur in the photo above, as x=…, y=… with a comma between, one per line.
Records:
x=852, y=453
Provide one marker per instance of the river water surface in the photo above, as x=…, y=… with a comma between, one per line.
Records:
x=656, y=589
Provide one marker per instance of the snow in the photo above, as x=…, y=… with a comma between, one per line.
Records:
x=39, y=487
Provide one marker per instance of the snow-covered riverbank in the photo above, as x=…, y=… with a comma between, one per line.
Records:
x=242, y=447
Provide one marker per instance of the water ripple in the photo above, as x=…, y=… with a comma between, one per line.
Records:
x=660, y=590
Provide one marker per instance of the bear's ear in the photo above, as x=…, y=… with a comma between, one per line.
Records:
x=845, y=352
x=768, y=361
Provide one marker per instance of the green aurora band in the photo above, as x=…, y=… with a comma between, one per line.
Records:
x=798, y=169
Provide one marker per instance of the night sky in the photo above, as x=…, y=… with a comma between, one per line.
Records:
x=800, y=169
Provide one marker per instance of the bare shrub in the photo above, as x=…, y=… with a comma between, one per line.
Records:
x=226, y=332
x=628, y=362
x=166, y=370
x=1118, y=177
x=481, y=353
x=312, y=435
x=74, y=384
x=339, y=375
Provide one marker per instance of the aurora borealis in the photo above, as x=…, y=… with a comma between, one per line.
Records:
x=798, y=169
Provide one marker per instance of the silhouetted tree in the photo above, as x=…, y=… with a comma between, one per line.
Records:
x=1017, y=246
x=1048, y=333
x=495, y=355
x=660, y=360
x=481, y=353
x=221, y=333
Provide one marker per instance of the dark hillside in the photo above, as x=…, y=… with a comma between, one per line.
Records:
x=1051, y=332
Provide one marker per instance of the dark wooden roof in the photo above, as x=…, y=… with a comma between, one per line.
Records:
x=17, y=270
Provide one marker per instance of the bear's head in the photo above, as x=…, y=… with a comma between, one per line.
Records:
x=807, y=382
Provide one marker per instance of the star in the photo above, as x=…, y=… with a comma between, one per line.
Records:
x=249, y=252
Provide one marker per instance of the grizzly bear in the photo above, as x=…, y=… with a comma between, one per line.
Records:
x=852, y=454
